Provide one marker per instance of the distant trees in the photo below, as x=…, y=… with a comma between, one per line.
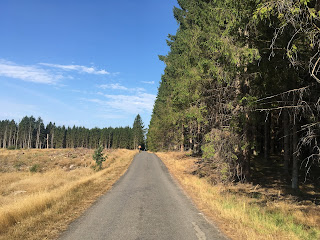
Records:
x=138, y=133
x=241, y=80
x=8, y=131
x=32, y=133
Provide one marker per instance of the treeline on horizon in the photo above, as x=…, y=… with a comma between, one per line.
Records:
x=32, y=133
x=241, y=82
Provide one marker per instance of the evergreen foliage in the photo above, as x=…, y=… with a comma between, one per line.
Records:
x=98, y=157
x=238, y=83
x=32, y=133
x=138, y=133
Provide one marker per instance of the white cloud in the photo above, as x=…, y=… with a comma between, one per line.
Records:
x=78, y=68
x=148, y=82
x=27, y=73
x=139, y=89
x=142, y=102
x=115, y=86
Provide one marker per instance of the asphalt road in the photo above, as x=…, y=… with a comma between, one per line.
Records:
x=144, y=204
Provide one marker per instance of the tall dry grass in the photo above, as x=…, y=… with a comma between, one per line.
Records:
x=240, y=216
x=39, y=205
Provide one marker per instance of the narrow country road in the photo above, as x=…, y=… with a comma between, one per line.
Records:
x=144, y=204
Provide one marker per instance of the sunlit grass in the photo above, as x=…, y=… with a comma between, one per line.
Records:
x=242, y=217
x=47, y=201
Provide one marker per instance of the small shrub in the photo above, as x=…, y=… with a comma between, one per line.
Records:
x=34, y=168
x=99, y=158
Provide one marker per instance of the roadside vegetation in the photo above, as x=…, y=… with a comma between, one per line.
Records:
x=240, y=91
x=246, y=211
x=242, y=81
x=42, y=191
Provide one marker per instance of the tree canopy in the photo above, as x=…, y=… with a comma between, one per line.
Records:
x=241, y=81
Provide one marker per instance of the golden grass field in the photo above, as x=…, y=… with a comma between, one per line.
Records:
x=240, y=216
x=42, y=191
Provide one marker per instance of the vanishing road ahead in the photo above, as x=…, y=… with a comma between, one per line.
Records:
x=144, y=204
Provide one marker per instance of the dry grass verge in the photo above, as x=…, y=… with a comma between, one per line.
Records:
x=240, y=216
x=39, y=202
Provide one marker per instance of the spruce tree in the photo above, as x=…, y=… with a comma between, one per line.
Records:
x=138, y=133
x=98, y=157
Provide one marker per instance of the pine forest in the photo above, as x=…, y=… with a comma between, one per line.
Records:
x=32, y=133
x=241, y=85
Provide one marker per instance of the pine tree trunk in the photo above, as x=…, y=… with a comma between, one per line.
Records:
x=286, y=144
x=29, y=137
x=195, y=142
x=14, y=138
x=52, y=138
x=295, y=170
x=5, y=138
x=10, y=138
x=271, y=136
x=198, y=148
x=266, y=138
x=47, y=140
x=291, y=140
x=246, y=151
x=109, y=144
x=38, y=137
x=17, y=138
x=24, y=141
x=182, y=139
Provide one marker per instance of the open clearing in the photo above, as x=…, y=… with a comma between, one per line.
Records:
x=42, y=191
x=245, y=211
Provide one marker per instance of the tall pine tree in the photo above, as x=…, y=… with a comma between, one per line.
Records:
x=138, y=133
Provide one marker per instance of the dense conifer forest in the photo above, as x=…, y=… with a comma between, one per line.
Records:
x=241, y=83
x=32, y=133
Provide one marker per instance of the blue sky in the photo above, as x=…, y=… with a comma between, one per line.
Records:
x=82, y=62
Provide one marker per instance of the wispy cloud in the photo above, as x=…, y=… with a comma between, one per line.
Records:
x=142, y=102
x=148, y=82
x=28, y=73
x=78, y=68
x=47, y=73
x=113, y=86
x=117, y=86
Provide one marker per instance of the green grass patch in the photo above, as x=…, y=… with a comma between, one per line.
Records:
x=267, y=221
x=34, y=168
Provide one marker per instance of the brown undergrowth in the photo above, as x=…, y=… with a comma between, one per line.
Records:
x=42, y=191
x=246, y=211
